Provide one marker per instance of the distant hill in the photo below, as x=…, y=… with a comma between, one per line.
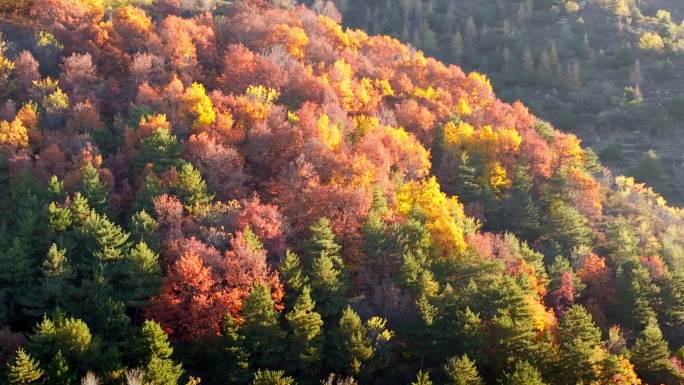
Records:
x=611, y=71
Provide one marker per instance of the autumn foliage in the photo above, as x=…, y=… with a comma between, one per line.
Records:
x=232, y=140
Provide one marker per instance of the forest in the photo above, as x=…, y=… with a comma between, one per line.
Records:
x=609, y=71
x=249, y=192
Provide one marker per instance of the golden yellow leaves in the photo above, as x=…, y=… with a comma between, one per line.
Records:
x=444, y=215
x=16, y=132
x=542, y=318
x=356, y=96
x=294, y=38
x=197, y=102
x=463, y=108
x=481, y=79
x=329, y=133
x=13, y=133
x=257, y=101
x=488, y=145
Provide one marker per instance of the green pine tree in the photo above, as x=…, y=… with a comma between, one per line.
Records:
x=580, y=347
x=93, y=189
x=17, y=277
x=306, y=327
x=191, y=188
x=638, y=293
x=100, y=309
x=150, y=189
x=144, y=228
x=59, y=372
x=322, y=241
x=59, y=218
x=353, y=344
x=462, y=371
x=155, y=351
x=80, y=209
x=374, y=231
x=139, y=276
x=651, y=354
x=328, y=285
x=468, y=190
x=523, y=374
x=56, y=191
x=293, y=275
x=106, y=240
x=513, y=335
x=622, y=242
x=160, y=149
x=261, y=329
x=567, y=226
x=672, y=290
x=55, y=283
x=24, y=370
x=234, y=368
x=519, y=213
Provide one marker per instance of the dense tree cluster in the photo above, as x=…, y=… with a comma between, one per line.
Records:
x=248, y=193
x=606, y=70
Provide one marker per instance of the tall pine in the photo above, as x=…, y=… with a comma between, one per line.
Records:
x=462, y=371
x=305, y=330
x=261, y=330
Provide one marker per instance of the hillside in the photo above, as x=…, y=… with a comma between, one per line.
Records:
x=609, y=71
x=248, y=192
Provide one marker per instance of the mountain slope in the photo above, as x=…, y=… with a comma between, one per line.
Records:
x=608, y=71
x=231, y=192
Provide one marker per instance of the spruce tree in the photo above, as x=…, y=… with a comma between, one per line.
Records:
x=523, y=374
x=306, y=327
x=191, y=188
x=261, y=330
x=638, y=294
x=55, y=282
x=16, y=280
x=24, y=370
x=374, y=231
x=353, y=344
x=622, y=242
x=322, y=241
x=155, y=351
x=292, y=273
x=139, y=276
x=672, y=290
x=144, y=197
x=580, y=347
x=59, y=372
x=236, y=363
x=651, y=355
x=93, y=189
x=328, y=285
x=160, y=149
x=144, y=228
x=462, y=371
